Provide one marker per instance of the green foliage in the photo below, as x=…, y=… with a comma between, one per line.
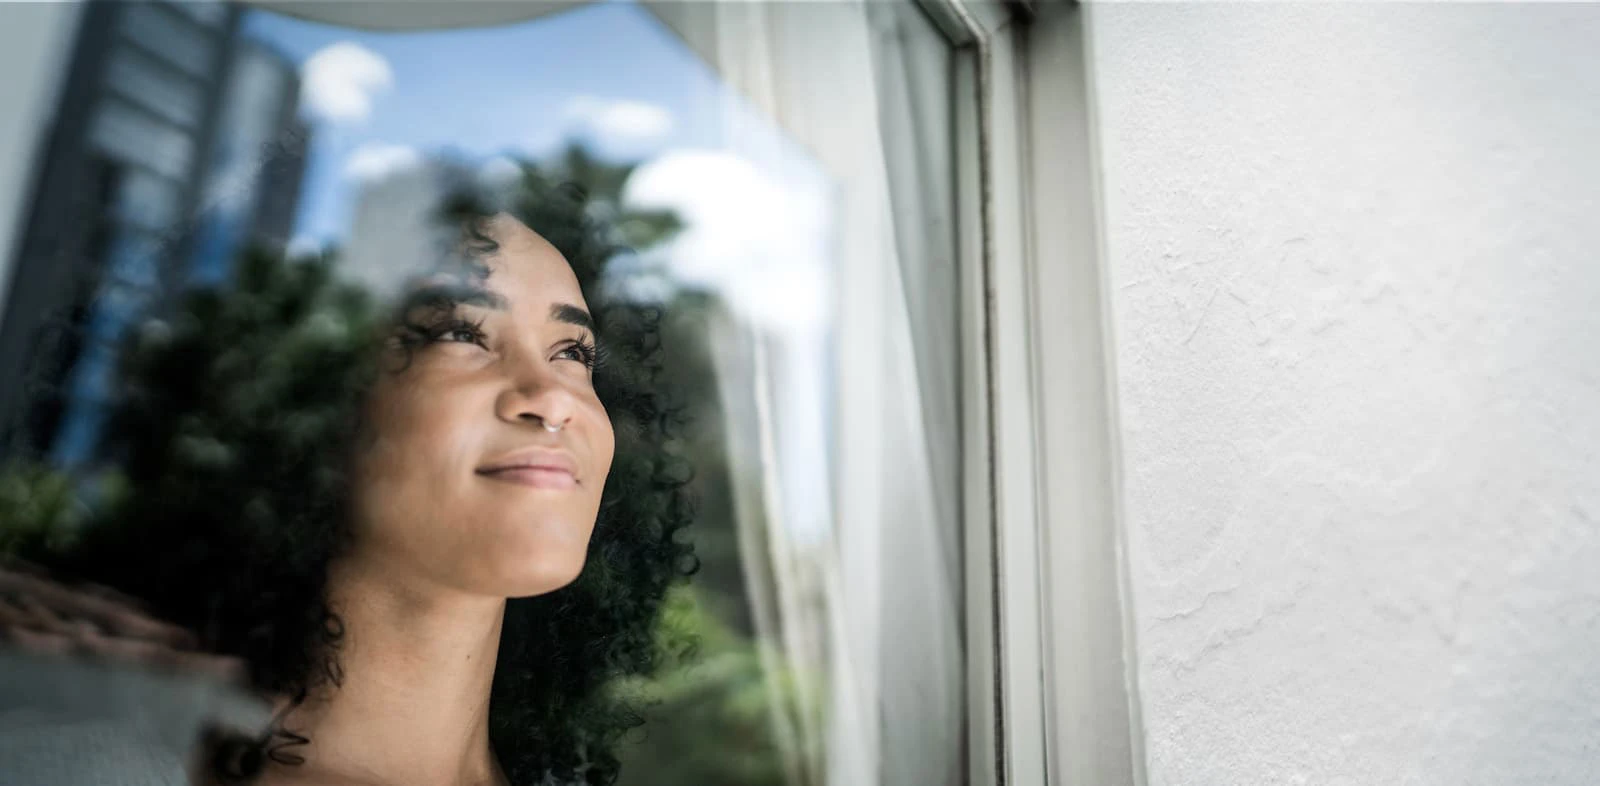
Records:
x=710, y=716
x=249, y=392
x=39, y=511
x=230, y=440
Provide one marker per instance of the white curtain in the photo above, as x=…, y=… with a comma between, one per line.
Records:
x=865, y=87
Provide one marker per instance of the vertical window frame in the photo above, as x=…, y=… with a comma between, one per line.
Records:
x=1052, y=686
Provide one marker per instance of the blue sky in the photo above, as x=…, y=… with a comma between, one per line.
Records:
x=502, y=90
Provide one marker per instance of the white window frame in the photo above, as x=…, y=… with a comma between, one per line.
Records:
x=1052, y=689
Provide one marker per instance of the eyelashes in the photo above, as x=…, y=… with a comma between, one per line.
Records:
x=414, y=334
x=451, y=328
x=454, y=329
x=583, y=350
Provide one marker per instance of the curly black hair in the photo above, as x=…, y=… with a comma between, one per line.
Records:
x=271, y=373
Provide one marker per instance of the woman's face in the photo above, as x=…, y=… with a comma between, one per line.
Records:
x=463, y=482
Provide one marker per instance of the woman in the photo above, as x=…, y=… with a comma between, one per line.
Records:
x=434, y=538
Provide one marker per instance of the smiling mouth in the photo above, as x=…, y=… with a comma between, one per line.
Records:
x=534, y=477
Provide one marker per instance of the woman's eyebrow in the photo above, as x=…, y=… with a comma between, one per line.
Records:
x=572, y=315
x=453, y=294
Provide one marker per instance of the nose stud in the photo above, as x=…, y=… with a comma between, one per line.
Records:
x=551, y=426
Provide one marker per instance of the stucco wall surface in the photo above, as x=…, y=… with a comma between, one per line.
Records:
x=1354, y=277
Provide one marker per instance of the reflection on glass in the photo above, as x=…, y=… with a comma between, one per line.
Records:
x=167, y=33
x=127, y=133
x=147, y=200
x=805, y=329
x=212, y=13
x=139, y=79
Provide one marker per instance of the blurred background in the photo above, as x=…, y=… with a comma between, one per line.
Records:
x=149, y=145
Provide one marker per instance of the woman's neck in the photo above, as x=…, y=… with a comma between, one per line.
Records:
x=412, y=705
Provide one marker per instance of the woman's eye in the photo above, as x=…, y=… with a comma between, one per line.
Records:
x=458, y=332
x=579, y=351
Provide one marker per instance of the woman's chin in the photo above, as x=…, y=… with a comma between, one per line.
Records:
x=540, y=586
x=538, y=574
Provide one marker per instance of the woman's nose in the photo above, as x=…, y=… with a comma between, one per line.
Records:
x=535, y=397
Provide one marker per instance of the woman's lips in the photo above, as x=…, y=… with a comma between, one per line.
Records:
x=535, y=477
x=537, y=467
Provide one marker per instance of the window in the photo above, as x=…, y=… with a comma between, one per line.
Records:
x=799, y=187
x=147, y=200
x=138, y=78
x=136, y=138
x=165, y=33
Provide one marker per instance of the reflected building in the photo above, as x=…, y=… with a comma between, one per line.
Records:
x=175, y=144
x=394, y=225
x=258, y=158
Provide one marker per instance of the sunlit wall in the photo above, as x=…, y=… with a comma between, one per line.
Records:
x=1352, y=267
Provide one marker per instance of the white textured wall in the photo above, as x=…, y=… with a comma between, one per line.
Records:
x=1354, y=270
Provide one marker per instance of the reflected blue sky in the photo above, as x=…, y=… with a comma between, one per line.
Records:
x=504, y=89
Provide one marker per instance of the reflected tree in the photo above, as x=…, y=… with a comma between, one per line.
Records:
x=707, y=718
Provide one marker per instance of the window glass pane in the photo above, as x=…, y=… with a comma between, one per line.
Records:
x=83, y=421
x=132, y=260
x=258, y=98
x=157, y=30
x=137, y=78
x=135, y=137
x=759, y=229
x=147, y=200
x=205, y=12
x=91, y=387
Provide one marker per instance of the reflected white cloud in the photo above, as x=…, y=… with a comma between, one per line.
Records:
x=302, y=246
x=339, y=82
x=758, y=240
x=499, y=171
x=620, y=120
x=378, y=160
